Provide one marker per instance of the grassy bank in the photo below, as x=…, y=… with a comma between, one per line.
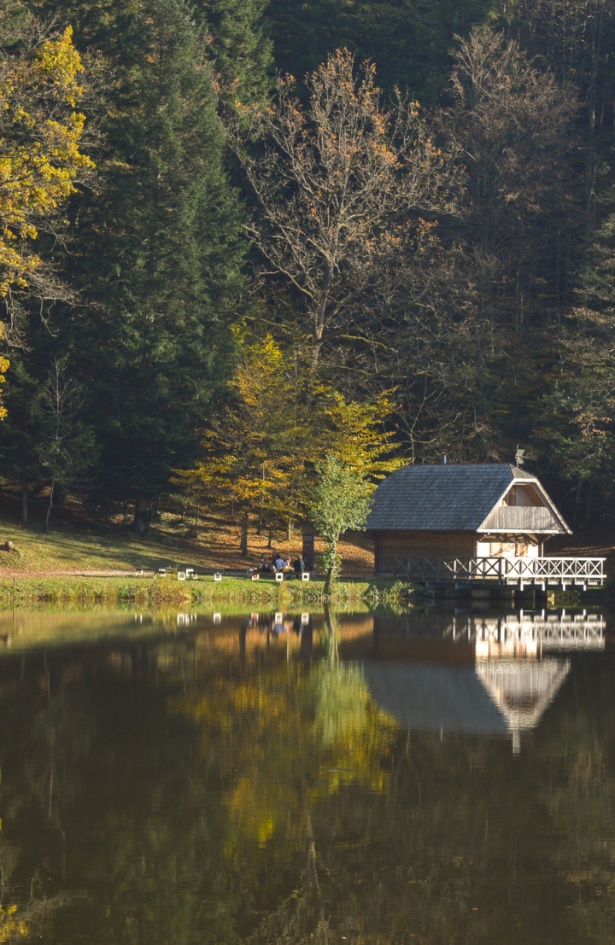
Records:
x=76, y=543
x=20, y=590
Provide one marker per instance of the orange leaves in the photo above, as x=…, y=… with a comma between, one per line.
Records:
x=338, y=180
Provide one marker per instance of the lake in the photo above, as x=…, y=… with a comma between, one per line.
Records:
x=208, y=779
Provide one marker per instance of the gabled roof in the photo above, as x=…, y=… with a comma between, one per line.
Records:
x=449, y=497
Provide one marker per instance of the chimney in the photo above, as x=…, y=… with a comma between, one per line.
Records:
x=443, y=459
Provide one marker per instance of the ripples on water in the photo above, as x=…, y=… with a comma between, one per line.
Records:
x=268, y=778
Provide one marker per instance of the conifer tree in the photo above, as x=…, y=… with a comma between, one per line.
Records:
x=578, y=429
x=240, y=49
x=159, y=260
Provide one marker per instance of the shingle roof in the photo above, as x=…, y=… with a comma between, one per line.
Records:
x=446, y=497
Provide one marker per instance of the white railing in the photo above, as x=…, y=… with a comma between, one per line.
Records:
x=504, y=570
x=552, y=632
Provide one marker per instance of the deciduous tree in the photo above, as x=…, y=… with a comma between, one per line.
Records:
x=259, y=456
x=340, y=501
x=341, y=185
x=40, y=138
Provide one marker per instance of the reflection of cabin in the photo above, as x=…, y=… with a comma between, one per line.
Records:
x=471, y=673
x=493, y=698
x=473, y=522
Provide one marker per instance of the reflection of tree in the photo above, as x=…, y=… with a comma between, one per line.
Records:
x=130, y=847
x=464, y=846
x=293, y=738
x=268, y=803
x=287, y=733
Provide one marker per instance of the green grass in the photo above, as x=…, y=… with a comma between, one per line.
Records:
x=81, y=548
x=155, y=591
x=95, y=550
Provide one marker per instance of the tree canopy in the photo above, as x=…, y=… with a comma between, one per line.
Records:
x=416, y=223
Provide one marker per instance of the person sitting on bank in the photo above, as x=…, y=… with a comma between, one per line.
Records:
x=280, y=563
x=299, y=566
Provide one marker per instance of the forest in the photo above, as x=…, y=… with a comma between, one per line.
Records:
x=241, y=238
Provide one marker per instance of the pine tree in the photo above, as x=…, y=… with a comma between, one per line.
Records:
x=159, y=259
x=240, y=49
x=578, y=429
x=408, y=40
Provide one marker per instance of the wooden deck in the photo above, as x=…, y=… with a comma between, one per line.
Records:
x=517, y=572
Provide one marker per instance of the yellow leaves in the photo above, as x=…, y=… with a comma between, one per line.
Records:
x=4, y=366
x=59, y=62
x=40, y=134
x=358, y=433
x=282, y=738
x=262, y=451
x=11, y=926
x=254, y=455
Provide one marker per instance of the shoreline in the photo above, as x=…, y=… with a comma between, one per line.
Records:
x=121, y=588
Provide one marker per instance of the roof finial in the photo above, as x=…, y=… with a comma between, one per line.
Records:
x=519, y=456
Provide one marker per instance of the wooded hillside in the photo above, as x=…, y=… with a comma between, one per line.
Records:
x=238, y=237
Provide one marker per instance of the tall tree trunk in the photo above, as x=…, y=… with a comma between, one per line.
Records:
x=244, y=535
x=24, y=504
x=141, y=520
x=49, y=506
x=330, y=577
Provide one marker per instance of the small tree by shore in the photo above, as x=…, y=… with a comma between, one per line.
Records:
x=340, y=501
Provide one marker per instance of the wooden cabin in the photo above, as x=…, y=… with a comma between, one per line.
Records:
x=460, y=511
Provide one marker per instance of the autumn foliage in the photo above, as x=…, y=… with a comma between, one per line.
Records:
x=40, y=160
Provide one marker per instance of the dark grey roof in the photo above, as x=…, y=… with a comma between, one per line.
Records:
x=445, y=497
x=435, y=698
x=490, y=699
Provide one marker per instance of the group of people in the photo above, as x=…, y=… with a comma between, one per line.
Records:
x=277, y=563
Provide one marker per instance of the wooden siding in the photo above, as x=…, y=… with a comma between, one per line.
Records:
x=391, y=545
x=521, y=518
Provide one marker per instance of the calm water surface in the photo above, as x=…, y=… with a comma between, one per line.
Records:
x=196, y=778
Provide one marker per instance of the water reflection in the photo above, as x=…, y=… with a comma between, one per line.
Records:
x=175, y=778
x=487, y=674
